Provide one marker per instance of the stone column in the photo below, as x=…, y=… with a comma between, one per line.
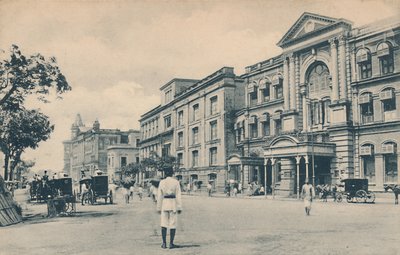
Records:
x=343, y=81
x=333, y=71
x=306, y=160
x=265, y=176
x=298, y=176
x=353, y=65
x=292, y=79
x=379, y=171
x=273, y=180
x=286, y=93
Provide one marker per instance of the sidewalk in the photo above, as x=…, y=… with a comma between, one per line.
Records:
x=381, y=197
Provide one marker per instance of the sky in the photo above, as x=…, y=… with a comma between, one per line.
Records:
x=117, y=54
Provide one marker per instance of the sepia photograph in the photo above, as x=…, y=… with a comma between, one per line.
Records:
x=226, y=127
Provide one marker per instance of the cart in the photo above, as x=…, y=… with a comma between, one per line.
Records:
x=356, y=190
x=63, y=199
x=97, y=188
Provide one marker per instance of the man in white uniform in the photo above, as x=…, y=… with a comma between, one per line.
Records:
x=308, y=194
x=169, y=204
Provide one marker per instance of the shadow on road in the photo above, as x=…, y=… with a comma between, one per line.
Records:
x=91, y=214
x=179, y=246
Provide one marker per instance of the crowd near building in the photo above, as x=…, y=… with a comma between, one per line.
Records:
x=326, y=109
x=93, y=148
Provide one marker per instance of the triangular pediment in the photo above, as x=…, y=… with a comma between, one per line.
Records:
x=307, y=23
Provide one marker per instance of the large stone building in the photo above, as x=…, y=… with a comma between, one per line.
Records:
x=326, y=109
x=93, y=148
x=194, y=124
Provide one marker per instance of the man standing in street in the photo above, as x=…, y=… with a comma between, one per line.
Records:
x=169, y=204
x=308, y=194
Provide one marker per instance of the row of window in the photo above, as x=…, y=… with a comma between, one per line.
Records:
x=213, y=134
x=388, y=105
x=389, y=151
x=213, y=156
x=265, y=92
x=385, y=56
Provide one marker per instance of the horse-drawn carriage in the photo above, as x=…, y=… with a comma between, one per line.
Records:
x=95, y=187
x=356, y=190
x=63, y=199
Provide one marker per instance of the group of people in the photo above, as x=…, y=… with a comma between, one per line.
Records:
x=128, y=193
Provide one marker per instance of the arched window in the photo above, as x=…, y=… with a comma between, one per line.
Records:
x=364, y=63
x=278, y=86
x=265, y=124
x=385, y=56
x=277, y=117
x=319, y=78
x=366, y=108
x=368, y=161
x=264, y=87
x=253, y=122
x=388, y=99
x=253, y=95
x=389, y=150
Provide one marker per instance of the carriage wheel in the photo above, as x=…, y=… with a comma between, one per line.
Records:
x=370, y=197
x=361, y=196
x=111, y=197
x=339, y=198
x=349, y=198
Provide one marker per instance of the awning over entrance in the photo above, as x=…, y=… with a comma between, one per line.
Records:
x=288, y=146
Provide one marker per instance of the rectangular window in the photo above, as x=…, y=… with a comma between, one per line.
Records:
x=195, y=158
x=167, y=121
x=180, y=118
x=365, y=69
x=367, y=113
x=166, y=150
x=239, y=135
x=213, y=105
x=389, y=105
x=254, y=130
x=195, y=135
x=278, y=127
x=266, y=128
x=179, y=159
x=123, y=161
x=253, y=98
x=213, y=156
x=266, y=94
x=386, y=64
x=391, y=168
x=195, y=115
x=213, y=130
x=180, y=139
x=278, y=91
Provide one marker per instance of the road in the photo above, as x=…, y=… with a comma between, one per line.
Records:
x=215, y=225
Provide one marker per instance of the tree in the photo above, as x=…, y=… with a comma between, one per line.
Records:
x=21, y=129
x=21, y=76
x=159, y=163
x=23, y=167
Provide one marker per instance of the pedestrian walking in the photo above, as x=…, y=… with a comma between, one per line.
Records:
x=131, y=189
x=140, y=192
x=169, y=204
x=308, y=193
x=209, y=189
x=125, y=194
x=154, y=191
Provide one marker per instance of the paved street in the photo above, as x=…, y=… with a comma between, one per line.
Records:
x=216, y=225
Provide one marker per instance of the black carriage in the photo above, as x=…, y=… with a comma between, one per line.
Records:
x=41, y=190
x=356, y=190
x=62, y=198
x=96, y=187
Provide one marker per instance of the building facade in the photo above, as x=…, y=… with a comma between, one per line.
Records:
x=87, y=150
x=326, y=109
x=194, y=124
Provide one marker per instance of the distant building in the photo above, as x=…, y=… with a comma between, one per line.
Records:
x=193, y=124
x=93, y=148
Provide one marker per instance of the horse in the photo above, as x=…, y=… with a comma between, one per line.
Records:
x=396, y=190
